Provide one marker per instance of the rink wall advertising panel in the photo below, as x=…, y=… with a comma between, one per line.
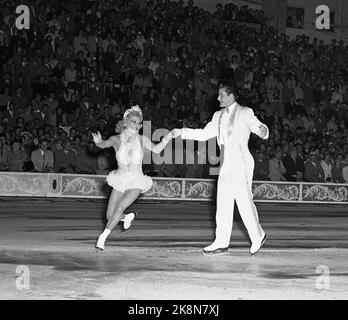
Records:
x=13, y=184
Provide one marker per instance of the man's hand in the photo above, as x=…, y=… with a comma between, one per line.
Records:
x=176, y=133
x=263, y=130
x=97, y=137
x=168, y=137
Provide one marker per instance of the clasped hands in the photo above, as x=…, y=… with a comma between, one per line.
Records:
x=172, y=135
x=176, y=133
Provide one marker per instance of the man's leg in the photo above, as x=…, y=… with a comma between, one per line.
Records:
x=224, y=214
x=248, y=211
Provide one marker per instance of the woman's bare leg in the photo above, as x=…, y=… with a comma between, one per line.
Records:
x=114, y=199
x=128, y=197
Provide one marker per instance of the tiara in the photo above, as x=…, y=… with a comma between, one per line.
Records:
x=136, y=109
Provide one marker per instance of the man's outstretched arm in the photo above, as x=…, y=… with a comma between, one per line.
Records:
x=255, y=125
x=208, y=132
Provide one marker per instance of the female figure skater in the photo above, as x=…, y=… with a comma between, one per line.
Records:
x=128, y=181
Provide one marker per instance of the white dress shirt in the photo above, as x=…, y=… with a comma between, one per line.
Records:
x=225, y=122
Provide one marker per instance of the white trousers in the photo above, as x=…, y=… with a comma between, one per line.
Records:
x=234, y=184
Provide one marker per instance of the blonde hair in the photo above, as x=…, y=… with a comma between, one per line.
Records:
x=133, y=110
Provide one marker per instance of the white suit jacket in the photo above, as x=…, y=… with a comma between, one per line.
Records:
x=240, y=124
x=237, y=160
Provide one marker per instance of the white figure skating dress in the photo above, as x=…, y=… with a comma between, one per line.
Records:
x=129, y=174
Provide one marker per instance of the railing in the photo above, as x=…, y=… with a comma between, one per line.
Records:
x=13, y=184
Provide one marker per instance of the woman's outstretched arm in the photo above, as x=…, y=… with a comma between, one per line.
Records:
x=157, y=148
x=112, y=141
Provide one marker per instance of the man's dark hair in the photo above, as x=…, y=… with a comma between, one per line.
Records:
x=44, y=139
x=230, y=87
x=67, y=141
x=16, y=141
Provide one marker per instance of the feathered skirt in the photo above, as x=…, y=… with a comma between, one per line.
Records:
x=124, y=180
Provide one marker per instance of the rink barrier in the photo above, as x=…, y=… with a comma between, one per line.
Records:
x=56, y=185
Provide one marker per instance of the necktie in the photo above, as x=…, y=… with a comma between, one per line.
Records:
x=219, y=124
x=222, y=153
x=43, y=162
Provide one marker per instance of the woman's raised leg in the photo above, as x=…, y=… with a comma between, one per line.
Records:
x=114, y=199
x=128, y=197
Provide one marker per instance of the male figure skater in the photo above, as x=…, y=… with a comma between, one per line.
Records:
x=232, y=126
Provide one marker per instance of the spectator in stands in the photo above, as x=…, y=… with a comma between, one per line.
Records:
x=70, y=76
x=19, y=101
x=336, y=95
x=58, y=70
x=28, y=113
x=313, y=170
x=298, y=91
x=4, y=153
x=276, y=167
x=261, y=170
x=70, y=105
x=337, y=172
x=37, y=103
x=326, y=164
x=102, y=165
x=52, y=104
x=42, y=157
x=271, y=83
x=290, y=164
x=28, y=143
x=61, y=116
x=42, y=117
x=11, y=114
x=85, y=161
x=17, y=157
x=332, y=124
x=40, y=88
x=65, y=158
x=5, y=99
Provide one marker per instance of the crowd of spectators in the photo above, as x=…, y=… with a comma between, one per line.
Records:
x=82, y=63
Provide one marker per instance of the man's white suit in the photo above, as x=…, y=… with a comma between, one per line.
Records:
x=232, y=127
